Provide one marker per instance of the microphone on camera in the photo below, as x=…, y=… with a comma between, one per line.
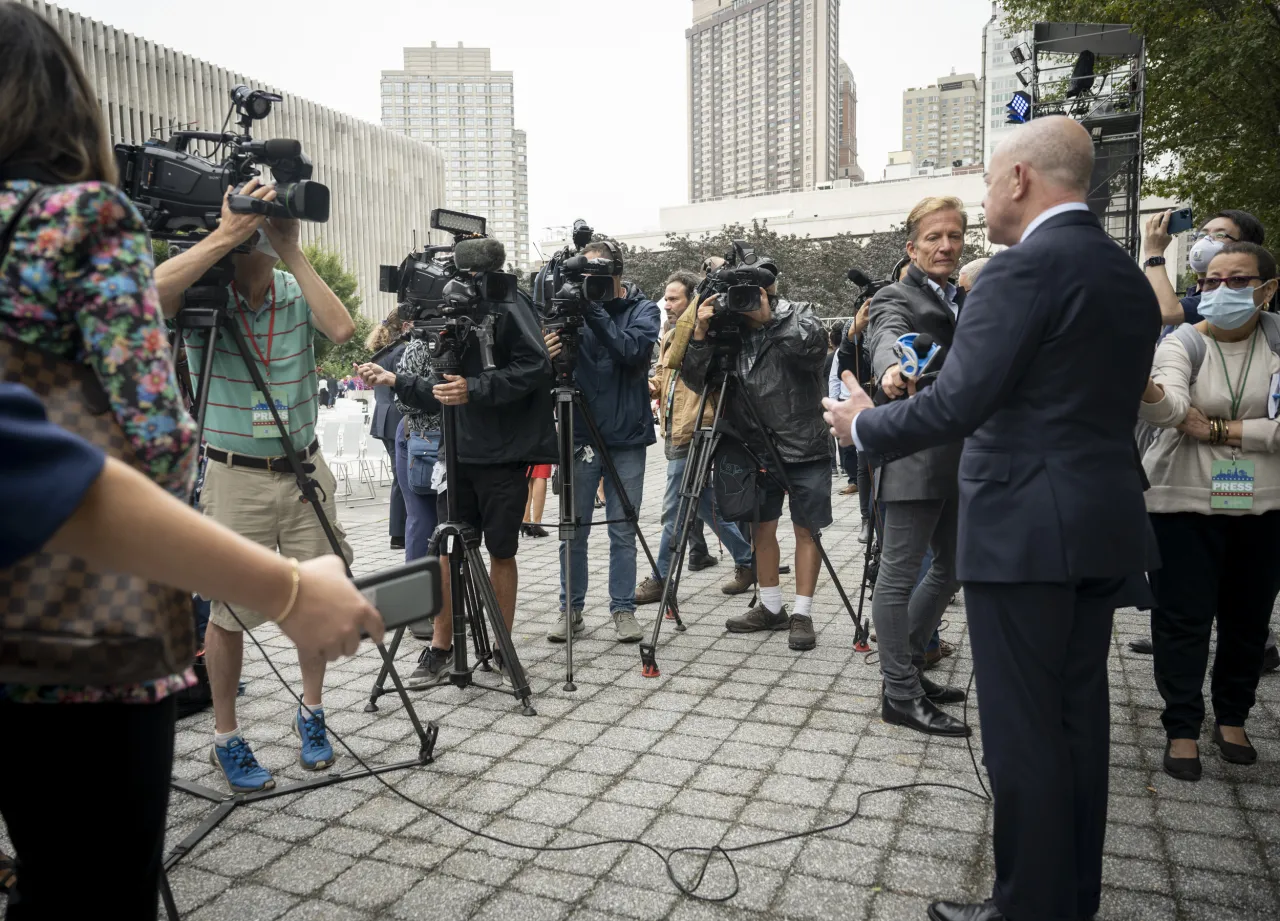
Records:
x=859, y=278
x=484, y=254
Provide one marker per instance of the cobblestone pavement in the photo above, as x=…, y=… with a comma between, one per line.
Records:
x=738, y=741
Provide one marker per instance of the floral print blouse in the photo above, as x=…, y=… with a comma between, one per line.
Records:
x=77, y=282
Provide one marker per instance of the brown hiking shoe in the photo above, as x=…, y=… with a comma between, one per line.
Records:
x=758, y=618
x=743, y=579
x=649, y=591
x=850, y=490
x=802, y=635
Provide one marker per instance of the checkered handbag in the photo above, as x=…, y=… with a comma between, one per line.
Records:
x=63, y=621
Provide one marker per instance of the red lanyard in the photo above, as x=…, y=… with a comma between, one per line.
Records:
x=271, y=330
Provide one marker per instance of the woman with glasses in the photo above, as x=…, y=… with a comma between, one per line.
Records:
x=1230, y=226
x=1215, y=504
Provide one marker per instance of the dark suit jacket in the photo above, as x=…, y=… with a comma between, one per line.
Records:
x=1043, y=381
x=912, y=306
x=385, y=415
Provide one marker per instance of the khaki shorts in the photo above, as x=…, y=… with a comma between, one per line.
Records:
x=267, y=508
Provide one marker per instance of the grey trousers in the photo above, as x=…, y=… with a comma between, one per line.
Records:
x=906, y=619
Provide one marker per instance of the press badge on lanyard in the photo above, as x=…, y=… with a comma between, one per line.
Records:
x=1232, y=485
x=264, y=423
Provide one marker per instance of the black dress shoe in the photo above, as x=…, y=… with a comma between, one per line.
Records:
x=1230, y=751
x=922, y=715
x=1271, y=659
x=941, y=694
x=1143, y=647
x=1181, y=768
x=397, y=543
x=702, y=561
x=965, y=911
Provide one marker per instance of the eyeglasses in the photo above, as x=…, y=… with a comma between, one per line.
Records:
x=1217, y=235
x=1234, y=282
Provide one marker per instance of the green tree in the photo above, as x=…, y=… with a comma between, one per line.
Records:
x=1211, y=133
x=338, y=359
x=812, y=270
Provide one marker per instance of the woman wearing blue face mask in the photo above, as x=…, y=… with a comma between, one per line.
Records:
x=1230, y=226
x=1215, y=504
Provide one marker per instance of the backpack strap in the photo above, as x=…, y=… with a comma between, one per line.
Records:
x=1193, y=342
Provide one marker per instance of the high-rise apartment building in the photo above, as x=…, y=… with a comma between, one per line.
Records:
x=999, y=77
x=452, y=99
x=848, y=167
x=942, y=123
x=763, y=96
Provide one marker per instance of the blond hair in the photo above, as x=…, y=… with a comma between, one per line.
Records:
x=932, y=205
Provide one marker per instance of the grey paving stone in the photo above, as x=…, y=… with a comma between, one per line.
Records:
x=246, y=903
x=524, y=906
x=426, y=898
x=811, y=897
x=304, y=870
x=643, y=904
x=371, y=884
x=316, y=910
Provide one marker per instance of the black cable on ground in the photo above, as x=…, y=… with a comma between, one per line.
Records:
x=667, y=856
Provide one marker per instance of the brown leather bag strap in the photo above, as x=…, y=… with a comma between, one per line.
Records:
x=11, y=228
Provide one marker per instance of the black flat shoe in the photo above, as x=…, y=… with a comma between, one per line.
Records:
x=1181, y=768
x=1142, y=647
x=922, y=715
x=702, y=561
x=534, y=530
x=941, y=694
x=397, y=543
x=1230, y=751
x=965, y=911
x=1271, y=659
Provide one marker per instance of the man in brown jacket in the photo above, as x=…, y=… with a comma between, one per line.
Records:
x=677, y=411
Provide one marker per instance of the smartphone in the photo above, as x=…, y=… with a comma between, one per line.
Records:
x=405, y=593
x=1180, y=220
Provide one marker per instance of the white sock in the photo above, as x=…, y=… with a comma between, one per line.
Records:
x=223, y=739
x=771, y=597
x=307, y=711
x=803, y=604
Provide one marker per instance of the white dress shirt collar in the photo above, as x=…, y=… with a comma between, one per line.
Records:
x=1052, y=212
x=948, y=295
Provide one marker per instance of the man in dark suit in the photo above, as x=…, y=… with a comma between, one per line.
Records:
x=918, y=492
x=386, y=417
x=1043, y=381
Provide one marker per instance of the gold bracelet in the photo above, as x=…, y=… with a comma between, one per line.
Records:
x=293, y=592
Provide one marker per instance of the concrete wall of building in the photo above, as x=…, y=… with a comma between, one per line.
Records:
x=383, y=185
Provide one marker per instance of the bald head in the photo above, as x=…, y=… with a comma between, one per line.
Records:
x=1057, y=147
x=1046, y=162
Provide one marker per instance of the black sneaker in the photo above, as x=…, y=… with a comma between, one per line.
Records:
x=758, y=618
x=802, y=636
x=701, y=561
x=433, y=669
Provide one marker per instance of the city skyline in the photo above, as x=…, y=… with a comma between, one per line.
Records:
x=942, y=122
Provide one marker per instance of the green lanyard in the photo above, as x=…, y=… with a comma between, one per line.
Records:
x=1237, y=398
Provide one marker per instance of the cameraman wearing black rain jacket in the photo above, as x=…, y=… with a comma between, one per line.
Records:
x=504, y=424
x=780, y=367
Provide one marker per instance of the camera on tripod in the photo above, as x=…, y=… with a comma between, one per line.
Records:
x=179, y=192
x=737, y=283
x=442, y=290
x=566, y=285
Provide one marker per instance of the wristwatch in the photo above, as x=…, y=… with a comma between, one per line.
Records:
x=1154, y=260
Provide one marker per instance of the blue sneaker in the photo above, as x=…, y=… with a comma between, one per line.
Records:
x=241, y=769
x=317, y=753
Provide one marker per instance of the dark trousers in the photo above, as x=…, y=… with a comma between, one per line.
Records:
x=420, y=510
x=866, y=488
x=1212, y=564
x=396, y=528
x=849, y=461
x=698, y=539
x=104, y=856
x=1040, y=661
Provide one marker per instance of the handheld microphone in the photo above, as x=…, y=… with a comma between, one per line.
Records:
x=918, y=354
x=483, y=254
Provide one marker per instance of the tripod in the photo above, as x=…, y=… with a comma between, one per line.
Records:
x=471, y=593
x=697, y=472
x=205, y=307
x=567, y=396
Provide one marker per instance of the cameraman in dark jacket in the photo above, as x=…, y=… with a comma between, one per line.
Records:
x=503, y=425
x=780, y=366
x=614, y=352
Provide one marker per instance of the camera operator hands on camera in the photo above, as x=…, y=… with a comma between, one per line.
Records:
x=761, y=316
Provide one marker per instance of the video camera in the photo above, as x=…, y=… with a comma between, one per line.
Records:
x=442, y=290
x=736, y=284
x=179, y=192
x=564, y=287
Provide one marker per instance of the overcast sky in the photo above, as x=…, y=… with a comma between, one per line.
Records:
x=599, y=84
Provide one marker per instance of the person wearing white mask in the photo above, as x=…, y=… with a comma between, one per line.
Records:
x=1230, y=226
x=1214, y=504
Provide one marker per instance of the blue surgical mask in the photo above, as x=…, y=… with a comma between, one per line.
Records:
x=1202, y=253
x=1227, y=308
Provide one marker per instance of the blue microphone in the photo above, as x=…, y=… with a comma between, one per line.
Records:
x=917, y=354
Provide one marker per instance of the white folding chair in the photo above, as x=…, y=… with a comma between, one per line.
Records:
x=348, y=456
x=327, y=432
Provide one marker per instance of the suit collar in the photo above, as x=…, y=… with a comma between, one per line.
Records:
x=1064, y=215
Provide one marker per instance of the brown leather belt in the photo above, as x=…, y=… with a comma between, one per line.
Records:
x=270, y=464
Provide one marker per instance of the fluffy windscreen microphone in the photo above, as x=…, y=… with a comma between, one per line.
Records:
x=480, y=255
x=282, y=148
x=923, y=343
x=859, y=278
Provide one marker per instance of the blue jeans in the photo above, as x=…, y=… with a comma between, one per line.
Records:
x=622, y=536
x=420, y=510
x=728, y=532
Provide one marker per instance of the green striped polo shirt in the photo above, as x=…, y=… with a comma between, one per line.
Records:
x=281, y=330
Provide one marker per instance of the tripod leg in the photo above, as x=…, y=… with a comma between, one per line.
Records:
x=568, y=518
x=379, y=684
x=166, y=896
x=488, y=600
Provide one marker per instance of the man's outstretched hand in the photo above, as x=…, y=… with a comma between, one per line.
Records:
x=840, y=413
